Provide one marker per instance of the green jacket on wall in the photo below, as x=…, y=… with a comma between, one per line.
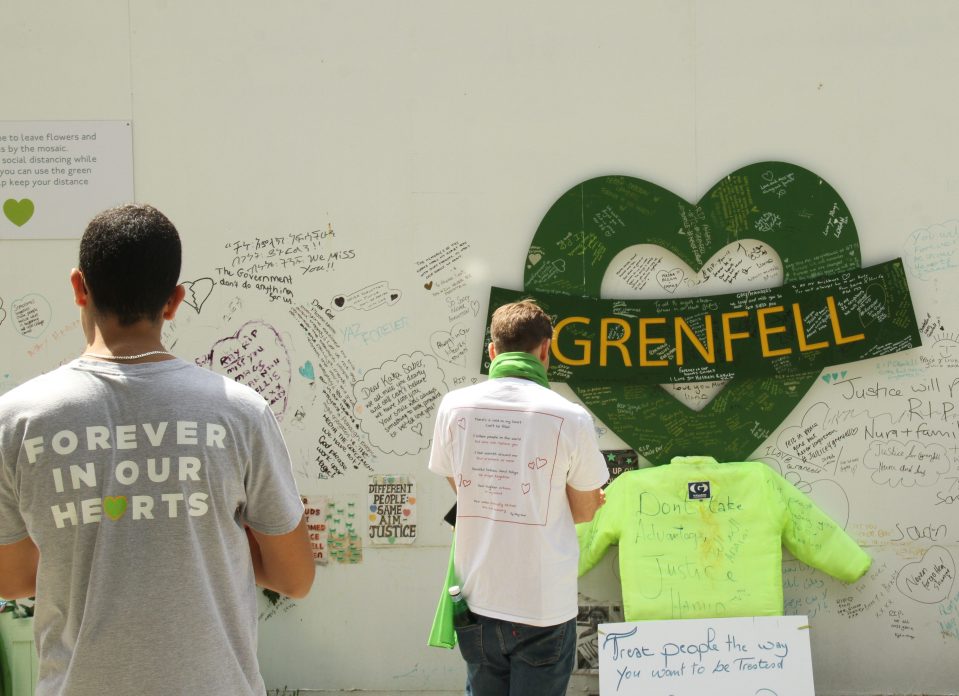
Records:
x=700, y=539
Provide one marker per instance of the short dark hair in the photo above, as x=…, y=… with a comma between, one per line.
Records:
x=519, y=326
x=130, y=259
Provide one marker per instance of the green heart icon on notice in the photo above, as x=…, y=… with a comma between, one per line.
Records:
x=18, y=212
x=789, y=208
x=115, y=506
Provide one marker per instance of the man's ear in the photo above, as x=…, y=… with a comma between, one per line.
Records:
x=173, y=304
x=544, y=351
x=81, y=296
x=492, y=351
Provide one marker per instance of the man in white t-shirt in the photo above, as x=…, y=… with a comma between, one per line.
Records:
x=526, y=467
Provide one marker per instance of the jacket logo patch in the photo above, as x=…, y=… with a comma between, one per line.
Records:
x=698, y=490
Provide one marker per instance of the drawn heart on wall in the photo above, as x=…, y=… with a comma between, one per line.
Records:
x=670, y=280
x=31, y=315
x=256, y=356
x=876, y=295
x=808, y=243
x=306, y=369
x=18, y=212
x=525, y=488
x=930, y=579
x=833, y=376
x=197, y=292
x=451, y=346
x=826, y=493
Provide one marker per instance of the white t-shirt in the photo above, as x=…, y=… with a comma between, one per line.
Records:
x=512, y=447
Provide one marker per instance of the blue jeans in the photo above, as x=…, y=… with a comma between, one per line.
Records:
x=514, y=659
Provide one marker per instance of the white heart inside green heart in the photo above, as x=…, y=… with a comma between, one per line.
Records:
x=650, y=272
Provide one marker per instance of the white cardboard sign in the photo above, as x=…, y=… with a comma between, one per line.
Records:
x=752, y=656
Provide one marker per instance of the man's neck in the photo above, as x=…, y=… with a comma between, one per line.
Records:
x=107, y=339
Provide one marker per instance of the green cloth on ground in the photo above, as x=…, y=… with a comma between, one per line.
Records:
x=519, y=364
x=442, y=634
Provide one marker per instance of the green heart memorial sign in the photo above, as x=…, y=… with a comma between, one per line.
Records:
x=769, y=345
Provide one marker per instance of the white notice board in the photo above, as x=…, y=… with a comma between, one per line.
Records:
x=752, y=656
x=56, y=175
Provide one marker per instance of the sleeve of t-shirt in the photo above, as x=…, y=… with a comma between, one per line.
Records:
x=12, y=527
x=273, y=504
x=440, y=460
x=587, y=469
x=815, y=539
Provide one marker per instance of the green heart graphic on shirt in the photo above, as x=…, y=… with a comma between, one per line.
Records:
x=115, y=506
x=789, y=208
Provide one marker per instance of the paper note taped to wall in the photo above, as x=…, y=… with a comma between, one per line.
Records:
x=316, y=508
x=56, y=175
x=766, y=656
x=392, y=509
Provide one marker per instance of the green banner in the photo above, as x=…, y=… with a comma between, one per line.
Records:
x=777, y=332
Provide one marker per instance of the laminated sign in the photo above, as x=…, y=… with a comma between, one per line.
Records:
x=56, y=175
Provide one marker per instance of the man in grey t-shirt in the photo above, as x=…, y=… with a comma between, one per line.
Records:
x=142, y=498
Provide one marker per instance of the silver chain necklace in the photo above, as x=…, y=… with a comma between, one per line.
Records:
x=128, y=357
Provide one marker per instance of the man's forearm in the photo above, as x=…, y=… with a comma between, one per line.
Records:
x=18, y=569
x=283, y=562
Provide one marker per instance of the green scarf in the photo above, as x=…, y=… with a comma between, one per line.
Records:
x=519, y=364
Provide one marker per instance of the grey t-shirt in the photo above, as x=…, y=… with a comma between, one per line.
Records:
x=135, y=481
